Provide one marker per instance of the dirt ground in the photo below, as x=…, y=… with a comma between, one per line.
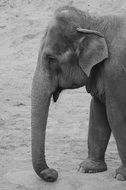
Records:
x=22, y=23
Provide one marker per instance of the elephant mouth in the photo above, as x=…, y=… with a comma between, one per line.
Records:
x=57, y=93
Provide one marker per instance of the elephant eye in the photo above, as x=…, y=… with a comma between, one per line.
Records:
x=51, y=59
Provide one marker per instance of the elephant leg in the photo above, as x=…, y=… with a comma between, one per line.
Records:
x=98, y=137
x=116, y=112
x=117, y=120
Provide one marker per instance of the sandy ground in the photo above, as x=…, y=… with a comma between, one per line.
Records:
x=22, y=23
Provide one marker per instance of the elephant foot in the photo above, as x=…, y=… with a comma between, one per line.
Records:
x=121, y=173
x=49, y=175
x=90, y=166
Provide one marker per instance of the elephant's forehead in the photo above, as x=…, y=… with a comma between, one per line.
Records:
x=55, y=39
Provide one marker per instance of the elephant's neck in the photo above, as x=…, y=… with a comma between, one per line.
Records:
x=95, y=85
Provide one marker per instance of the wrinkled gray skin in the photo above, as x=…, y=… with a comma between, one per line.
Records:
x=71, y=57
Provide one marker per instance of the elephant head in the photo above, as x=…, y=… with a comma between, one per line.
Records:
x=66, y=57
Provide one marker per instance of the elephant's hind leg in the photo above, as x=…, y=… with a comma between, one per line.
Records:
x=98, y=137
x=117, y=120
x=116, y=112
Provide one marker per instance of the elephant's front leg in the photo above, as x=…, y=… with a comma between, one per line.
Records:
x=98, y=137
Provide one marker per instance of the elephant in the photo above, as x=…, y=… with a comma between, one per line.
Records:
x=82, y=49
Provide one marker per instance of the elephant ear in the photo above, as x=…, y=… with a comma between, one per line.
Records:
x=92, y=49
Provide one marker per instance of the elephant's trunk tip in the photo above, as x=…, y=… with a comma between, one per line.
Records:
x=49, y=175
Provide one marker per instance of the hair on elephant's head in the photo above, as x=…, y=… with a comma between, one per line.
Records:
x=71, y=51
x=68, y=53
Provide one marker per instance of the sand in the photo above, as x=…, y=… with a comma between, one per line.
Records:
x=22, y=24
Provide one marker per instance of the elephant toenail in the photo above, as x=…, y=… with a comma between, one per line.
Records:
x=120, y=177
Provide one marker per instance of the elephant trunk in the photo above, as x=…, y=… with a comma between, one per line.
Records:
x=40, y=101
